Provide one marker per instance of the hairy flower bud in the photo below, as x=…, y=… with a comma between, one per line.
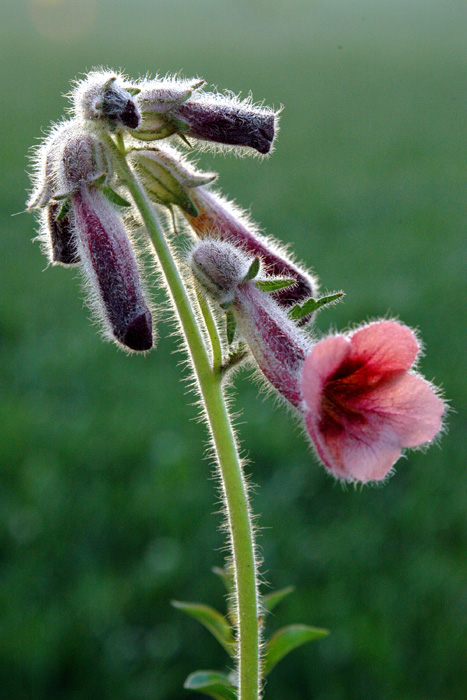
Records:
x=277, y=345
x=170, y=107
x=112, y=270
x=218, y=217
x=107, y=96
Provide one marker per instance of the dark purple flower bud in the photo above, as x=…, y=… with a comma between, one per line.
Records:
x=278, y=346
x=228, y=121
x=170, y=107
x=219, y=218
x=107, y=96
x=112, y=269
x=61, y=235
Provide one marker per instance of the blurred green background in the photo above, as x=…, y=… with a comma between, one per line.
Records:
x=107, y=506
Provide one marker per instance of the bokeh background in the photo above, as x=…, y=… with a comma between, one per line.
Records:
x=107, y=506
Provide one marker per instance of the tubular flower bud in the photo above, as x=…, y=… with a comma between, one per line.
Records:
x=276, y=343
x=220, y=218
x=79, y=225
x=111, y=267
x=169, y=107
x=106, y=96
x=361, y=400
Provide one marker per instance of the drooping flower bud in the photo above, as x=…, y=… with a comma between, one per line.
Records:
x=111, y=267
x=107, y=96
x=277, y=345
x=79, y=224
x=169, y=107
x=218, y=217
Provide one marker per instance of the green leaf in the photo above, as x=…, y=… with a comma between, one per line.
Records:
x=99, y=180
x=64, y=210
x=114, y=197
x=297, y=312
x=231, y=325
x=273, y=285
x=286, y=640
x=235, y=358
x=253, y=270
x=212, y=620
x=272, y=599
x=212, y=683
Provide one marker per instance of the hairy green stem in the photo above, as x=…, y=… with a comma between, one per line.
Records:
x=223, y=437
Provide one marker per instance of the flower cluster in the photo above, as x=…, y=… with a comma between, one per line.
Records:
x=359, y=397
x=358, y=393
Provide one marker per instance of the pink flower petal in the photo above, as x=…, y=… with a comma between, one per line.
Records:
x=324, y=359
x=385, y=346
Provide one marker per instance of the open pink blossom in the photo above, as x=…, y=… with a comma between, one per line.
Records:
x=362, y=405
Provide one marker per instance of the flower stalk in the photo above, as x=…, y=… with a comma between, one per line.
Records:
x=234, y=487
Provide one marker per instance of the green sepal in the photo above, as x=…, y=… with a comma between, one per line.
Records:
x=163, y=186
x=212, y=683
x=64, y=210
x=133, y=90
x=235, y=358
x=216, y=623
x=226, y=305
x=61, y=197
x=252, y=270
x=231, y=325
x=99, y=180
x=270, y=600
x=286, y=640
x=146, y=133
x=273, y=285
x=299, y=311
x=114, y=197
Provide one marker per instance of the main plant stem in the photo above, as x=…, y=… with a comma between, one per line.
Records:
x=233, y=483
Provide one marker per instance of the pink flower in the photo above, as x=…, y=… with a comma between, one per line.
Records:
x=362, y=405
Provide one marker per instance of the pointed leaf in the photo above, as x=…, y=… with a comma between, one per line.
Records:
x=212, y=683
x=64, y=210
x=114, y=197
x=272, y=599
x=235, y=358
x=273, y=285
x=253, y=270
x=231, y=325
x=212, y=620
x=286, y=640
x=297, y=312
x=99, y=180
